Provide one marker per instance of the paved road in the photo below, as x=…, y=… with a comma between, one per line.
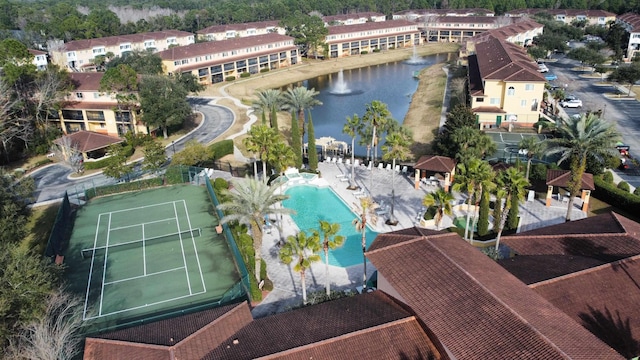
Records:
x=53, y=180
x=625, y=113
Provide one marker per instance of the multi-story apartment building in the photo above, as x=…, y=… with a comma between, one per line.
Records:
x=567, y=16
x=459, y=28
x=353, y=19
x=86, y=108
x=505, y=86
x=230, y=31
x=216, y=61
x=631, y=23
x=39, y=59
x=79, y=55
x=348, y=40
x=421, y=15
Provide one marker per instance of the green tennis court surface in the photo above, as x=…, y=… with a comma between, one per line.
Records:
x=507, y=145
x=139, y=255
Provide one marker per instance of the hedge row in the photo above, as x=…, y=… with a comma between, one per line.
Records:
x=609, y=193
x=221, y=148
x=123, y=187
x=90, y=165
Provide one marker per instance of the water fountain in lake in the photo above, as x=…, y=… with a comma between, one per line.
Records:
x=340, y=88
x=415, y=59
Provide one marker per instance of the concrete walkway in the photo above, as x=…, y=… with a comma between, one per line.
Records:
x=287, y=291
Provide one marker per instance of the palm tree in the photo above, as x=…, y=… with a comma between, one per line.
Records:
x=578, y=138
x=352, y=127
x=367, y=209
x=377, y=115
x=469, y=175
x=532, y=146
x=301, y=249
x=485, y=177
x=298, y=100
x=331, y=241
x=268, y=101
x=396, y=147
x=514, y=185
x=259, y=140
x=249, y=203
x=280, y=155
x=442, y=201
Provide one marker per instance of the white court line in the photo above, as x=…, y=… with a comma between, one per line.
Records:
x=195, y=249
x=95, y=242
x=144, y=223
x=144, y=254
x=184, y=258
x=141, y=276
x=141, y=207
x=104, y=270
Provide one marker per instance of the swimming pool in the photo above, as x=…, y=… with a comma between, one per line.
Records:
x=313, y=204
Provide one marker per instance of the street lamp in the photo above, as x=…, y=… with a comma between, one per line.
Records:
x=173, y=146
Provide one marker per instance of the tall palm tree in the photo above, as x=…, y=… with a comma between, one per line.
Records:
x=578, y=138
x=268, y=101
x=280, y=155
x=485, y=177
x=396, y=147
x=532, y=146
x=301, y=249
x=466, y=181
x=442, y=201
x=514, y=185
x=250, y=202
x=367, y=213
x=261, y=137
x=331, y=240
x=377, y=115
x=300, y=99
x=352, y=127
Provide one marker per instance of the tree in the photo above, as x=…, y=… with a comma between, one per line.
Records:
x=15, y=196
x=155, y=155
x=308, y=31
x=531, y=146
x=16, y=63
x=396, y=147
x=281, y=155
x=378, y=117
x=269, y=101
x=163, y=102
x=259, y=139
x=366, y=213
x=249, y=203
x=459, y=117
x=298, y=100
x=331, y=240
x=472, y=143
x=193, y=154
x=352, y=127
x=514, y=213
x=300, y=249
x=66, y=151
x=536, y=52
x=189, y=82
x=144, y=62
x=514, y=185
x=617, y=38
x=49, y=90
x=628, y=75
x=312, y=153
x=118, y=167
x=441, y=200
x=296, y=145
x=471, y=178
x=578, y=138
x=483, y=213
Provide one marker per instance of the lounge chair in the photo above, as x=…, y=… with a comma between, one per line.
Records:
x=344, y=179
x=347, y=162
x=339, y=160
x=356, y=162
x=370, y=165
x=388, y=168
x=382, y=211
x=334, y=160
x=380, y=166
x=340, y=175
x=404, y=170
x=397, y=169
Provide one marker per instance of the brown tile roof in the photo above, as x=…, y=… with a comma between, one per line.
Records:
x=561, y=178
x=604, y=300
x=370, y=26
x=87, y=141
x=465, y=19
x=488, y=109
x=345, y=328
x=238, y=27
x=557, y=250
x=214, y=47
x=120, y=39
x=86, y=81
x=520, y=26
x=435, y=163
x=35, y=52
x=88, y=105
x=476, y=309
x=633, y=20
x=501, y=60
x=568, y=12
x=185, y=337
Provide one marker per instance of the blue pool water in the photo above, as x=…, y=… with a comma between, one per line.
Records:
x=313, y=204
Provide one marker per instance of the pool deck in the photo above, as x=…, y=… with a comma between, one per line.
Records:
x=287, y=292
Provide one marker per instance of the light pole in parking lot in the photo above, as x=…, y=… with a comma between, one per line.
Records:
x=604, y=109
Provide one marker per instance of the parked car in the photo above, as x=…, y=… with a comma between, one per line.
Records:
x=571, y=103
x=543, y=68
x=550, y=77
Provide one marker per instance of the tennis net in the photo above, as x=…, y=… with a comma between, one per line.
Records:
x=100, y=250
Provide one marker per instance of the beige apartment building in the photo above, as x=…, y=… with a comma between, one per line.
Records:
x=353, y=19
x=422, y=14
x=79, y=55
x=631, y=23
x=86, y=108
x=39, y=59
x=522, y=32
x=216, y=61
x=230, y=31
x=347, y=40
x=567, y=16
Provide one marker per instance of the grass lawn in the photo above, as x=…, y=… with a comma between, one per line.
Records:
x=39, y=227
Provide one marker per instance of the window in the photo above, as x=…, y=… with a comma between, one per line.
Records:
x=523, y=103
x=528, y=87
x=479, y=99
x=98, y=51
x=79, y=95
x=148, y=44
x=95, y=115
x=125, y=47
x=172, y=40
x=494, y=101
x=511, y=91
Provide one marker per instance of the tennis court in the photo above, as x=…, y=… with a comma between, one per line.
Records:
x=142, y=254
x=507, y=143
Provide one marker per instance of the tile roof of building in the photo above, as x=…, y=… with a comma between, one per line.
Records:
x=370, y=26
x=344, y=17
x=562, y=249
x=435, y=163
x=214, y=47
x=568, y=12
x=469, y=302
x=604, y=300
x=345, y=327
x=501, y=60
x=238, y=27
x=465, y=19
x=561, y=178
x=442, y=12
x=86, y=81
x=86, y=141
x=35, y=52
x=632, y=19
x=121, y=39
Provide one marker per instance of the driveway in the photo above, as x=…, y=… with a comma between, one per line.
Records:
x=53, y=180
x=624, y=113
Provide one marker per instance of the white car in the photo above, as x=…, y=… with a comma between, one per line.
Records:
x=571, y=103
x=543, y=68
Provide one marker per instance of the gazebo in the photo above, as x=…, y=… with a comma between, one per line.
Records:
x=435, y=164
x=560, y=178
x=91, y=145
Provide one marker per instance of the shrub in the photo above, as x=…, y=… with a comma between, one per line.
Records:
x=230, y=78
x=430, y=213
x=220, y=184
x=135, y=140
x=538, y=172
x=245, y=75
x=99, y=164
x=264, y=70
x=123, y=187
x=623, y=185
x=376, y=50
x=42, y=162
x=612, y=195
x=607, y=177
x=221, y=148
x=364, y=52
x=637, y=191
